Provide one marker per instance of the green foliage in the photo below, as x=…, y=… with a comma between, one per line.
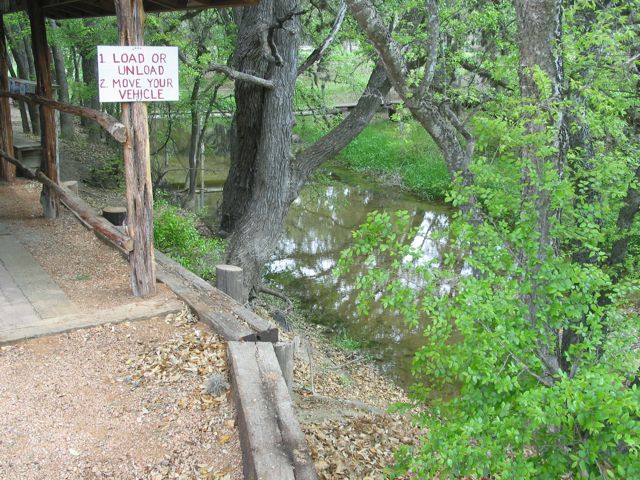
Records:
x=177, y=235
x=110, y=174
x=530, y=326
x=345, y=342
x=403, y=150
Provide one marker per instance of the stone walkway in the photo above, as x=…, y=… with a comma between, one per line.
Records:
x=28, y=295
x=32, y=304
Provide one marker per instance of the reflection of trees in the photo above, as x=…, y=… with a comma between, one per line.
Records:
x=318, y=230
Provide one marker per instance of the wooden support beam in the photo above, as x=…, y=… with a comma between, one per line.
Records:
x=7, y=170
x=80, y=209
x=137, y=162
x=48, y=199
x=111, y=125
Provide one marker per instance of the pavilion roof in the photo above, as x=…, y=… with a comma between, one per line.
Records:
x=62, y=9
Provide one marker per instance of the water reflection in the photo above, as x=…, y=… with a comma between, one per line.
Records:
x=318, y=228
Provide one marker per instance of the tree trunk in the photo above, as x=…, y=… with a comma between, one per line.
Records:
x=89, y=62
x=194, y=143
x=137, y=163
x=66, y=119
x=262, y=129
x=16, y=46
x=539, y=44
x=34, y=113
x=49, y=138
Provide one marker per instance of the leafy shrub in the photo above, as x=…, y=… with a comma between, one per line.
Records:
x=176, y=234
x=108, y=175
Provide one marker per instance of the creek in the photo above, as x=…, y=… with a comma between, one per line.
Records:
x=318, y=228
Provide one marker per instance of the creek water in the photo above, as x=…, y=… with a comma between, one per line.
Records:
x=317, y=229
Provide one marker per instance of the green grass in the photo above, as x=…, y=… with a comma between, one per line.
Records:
x=176, y=234
x=394, y=150
x=344, y=342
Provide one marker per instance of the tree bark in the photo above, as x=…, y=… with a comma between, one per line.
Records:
x=49, y=165
x=66, y=120
x=252, y=248
x=31, y=74
x=137, y=163
x=89, y=62
x=268, y=135
x=16, y=46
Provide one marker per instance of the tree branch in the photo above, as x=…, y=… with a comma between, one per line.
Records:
x=326, y=43
x=245, y=77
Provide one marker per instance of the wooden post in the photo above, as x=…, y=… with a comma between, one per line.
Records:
x=229, y=280
x=137, y=164
x=7, y=170
x=285, y=354
x=49, y=165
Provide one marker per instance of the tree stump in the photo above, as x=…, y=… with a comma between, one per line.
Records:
x=229, y=280
x=116, y=215
x=285, y=354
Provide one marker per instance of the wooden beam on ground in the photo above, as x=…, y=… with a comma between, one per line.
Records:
x=48, y=199
x=137, y=163
x=273, y=444
x=78, y=207
x=258, y=329
x=7, y=170
x=110, y=124
x=200, y=301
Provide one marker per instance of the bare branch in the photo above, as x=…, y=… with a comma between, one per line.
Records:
x=111, y=125
x=236, y=75
x=433, y=27
x=326, y=43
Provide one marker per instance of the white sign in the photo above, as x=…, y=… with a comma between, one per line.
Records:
x=137, y=74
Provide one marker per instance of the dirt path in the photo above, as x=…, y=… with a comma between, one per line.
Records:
x=119, y=401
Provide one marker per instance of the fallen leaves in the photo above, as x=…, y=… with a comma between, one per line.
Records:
x=360, y=447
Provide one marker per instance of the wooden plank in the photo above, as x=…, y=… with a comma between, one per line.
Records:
x=49, y=199
x=7, y=170
x=273, y=445
x=141, y=310
x=264, y=331
x=46, y=297
x=226, y=325
x=137, y=163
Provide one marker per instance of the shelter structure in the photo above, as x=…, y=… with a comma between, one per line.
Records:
x=131, y=131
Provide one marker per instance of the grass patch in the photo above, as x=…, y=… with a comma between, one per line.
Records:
x=177, y=235
x=399, y=152
x=344, y=342
x=403, y=150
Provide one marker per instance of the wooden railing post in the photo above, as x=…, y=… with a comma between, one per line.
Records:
x=137, y=166
x=7, y=170
x=49, y=199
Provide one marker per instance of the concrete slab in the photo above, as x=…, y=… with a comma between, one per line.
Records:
x=46, y=297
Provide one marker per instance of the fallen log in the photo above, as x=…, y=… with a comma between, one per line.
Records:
x=78, y=207
x=110, y=124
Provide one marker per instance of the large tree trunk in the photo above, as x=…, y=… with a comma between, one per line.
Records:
x=66, y=119
x=539, y=44
x=262, y=131
x=272, y=188
x=194, y=143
